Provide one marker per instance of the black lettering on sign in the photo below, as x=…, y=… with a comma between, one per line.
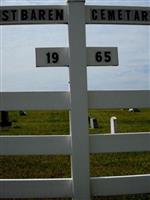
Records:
x=4, y=15
x=33, y=15
x=50, y=14
x=52, y=57
x=94, y=14
x=103, y=56
x=42, y=15
x=103, y=17
x=111, y=14
x=98, y=56
x=24, y=15
x=8, y=15
x=107, y=55
x=144, y=16
x=128, y=15
x=120, y=15
x=136, y=16
x=59, y=14
x=14, y=14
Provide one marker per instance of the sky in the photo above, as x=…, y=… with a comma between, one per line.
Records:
x=18, y=70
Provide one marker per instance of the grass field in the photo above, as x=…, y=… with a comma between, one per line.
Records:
x=57, y=122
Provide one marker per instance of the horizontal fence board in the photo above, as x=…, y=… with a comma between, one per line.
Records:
x=35, y=145
x=120, y=185
x=46, y=188
x=35, y=188
x=61, y=145
x=61, y=100
x=123, y=142
x=34, y=100
x=119, y=99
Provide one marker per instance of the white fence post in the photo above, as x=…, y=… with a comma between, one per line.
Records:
x=113, y=125
x=79, y=101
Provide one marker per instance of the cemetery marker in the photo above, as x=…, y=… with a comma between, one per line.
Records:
x=102, y=56
x=96, y=56
x=76, y=15
x=117, y=15
x=52, y=57
x=10, y=15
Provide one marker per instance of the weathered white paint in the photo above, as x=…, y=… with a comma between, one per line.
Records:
x=120, y=185
x=35, y=188
x=119, y=99
x=50, y=188
x=113, y=125
x=61, y=100
x=123, y=142
x=35, y=145
x=61, y=145
x=79, y=101
x=34, y=101
x=91, y=123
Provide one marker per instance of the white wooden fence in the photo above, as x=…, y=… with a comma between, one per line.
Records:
x=80, y=186
x=62, y=145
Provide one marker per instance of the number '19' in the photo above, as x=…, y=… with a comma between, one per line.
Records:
x=52, y=57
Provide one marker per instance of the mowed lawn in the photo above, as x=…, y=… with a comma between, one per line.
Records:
x=57, y=123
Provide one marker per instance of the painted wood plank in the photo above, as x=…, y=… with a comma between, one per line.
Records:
x=61, y=100
x=120, y=185
x=119, y=99
x=79, y=100
x=123, y=142
x=35, y=145
x=34, y=101
x=35, y=188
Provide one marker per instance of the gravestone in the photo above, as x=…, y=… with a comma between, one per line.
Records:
x=93, y=123
x=5, y=119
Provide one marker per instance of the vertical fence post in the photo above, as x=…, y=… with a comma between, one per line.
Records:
x=79, y=100
x=113, y=125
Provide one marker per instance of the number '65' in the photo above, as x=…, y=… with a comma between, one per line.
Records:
x=103, y=58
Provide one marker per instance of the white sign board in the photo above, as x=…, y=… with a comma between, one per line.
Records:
x=117, y=15
x=46, y=57
x=96, y=56
x=10, y=15
x=102, y=56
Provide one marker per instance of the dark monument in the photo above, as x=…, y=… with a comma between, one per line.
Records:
x=5, y=119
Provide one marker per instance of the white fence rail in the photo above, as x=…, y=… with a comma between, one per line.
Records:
x=127, y=142
x=44, y=188
x=61, y=145
x=117, y=185
x=35, y=188
x=119, y=99
x=34, y=100
x=35, y=145
x=61, y=100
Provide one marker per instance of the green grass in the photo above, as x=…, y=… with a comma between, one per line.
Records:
x=127, y=121
x=38, y=123
x=56, y=123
